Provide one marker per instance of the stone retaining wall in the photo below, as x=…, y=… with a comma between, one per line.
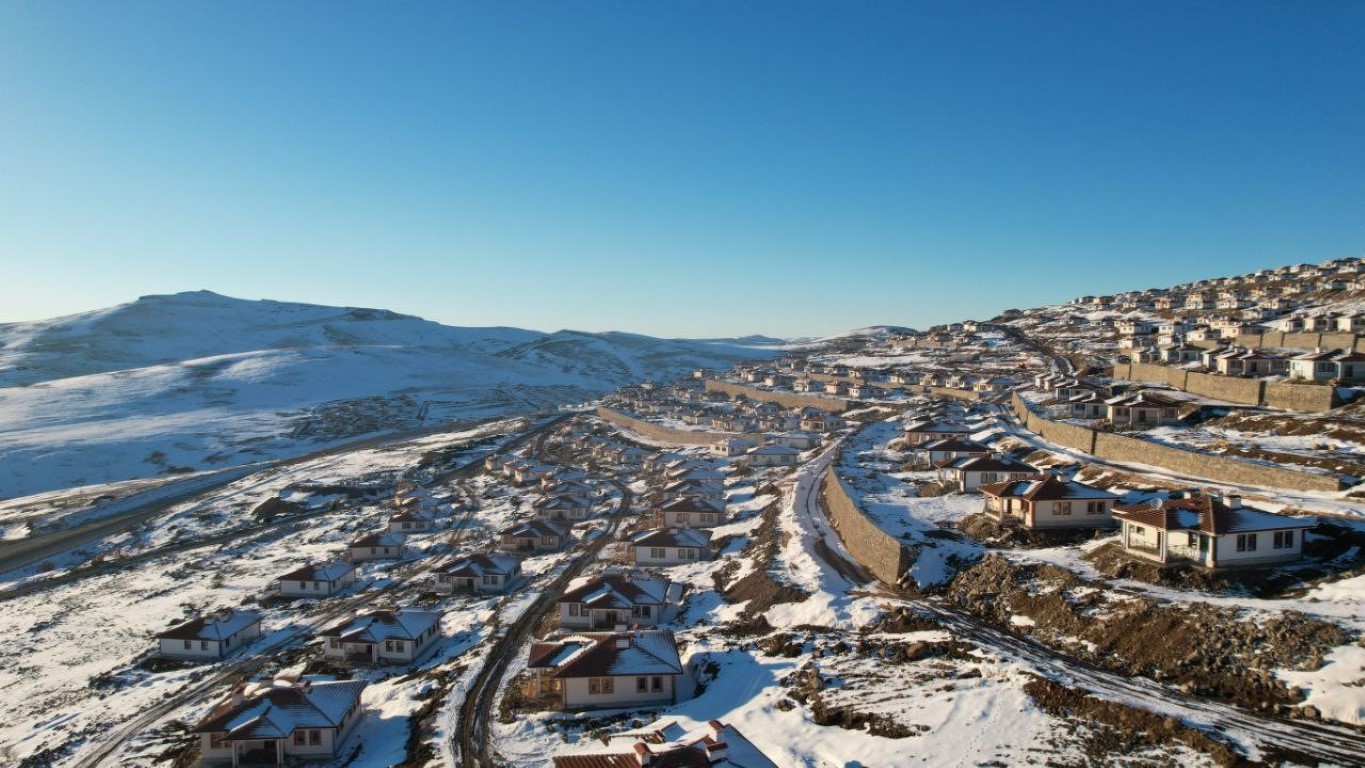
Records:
x=876, y=550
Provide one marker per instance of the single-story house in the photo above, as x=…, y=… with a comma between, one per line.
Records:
x=375, y=546
x=317, y=580
x=612, y=600
x=1048, y=501
x=709, y=490
x=213, y=636
x=1142, y=409
x=561, y=508
x=535, y=536
x=772, y=456
x=670, y=546
x=607, y=670
x=270, y=722
x=690, y=512
x=1210, y=531
x=666, y=745
x=409, y=521
x=479, y=573
x=383, y=636
x=949, y=448
x=919, y=432
x=969, y=473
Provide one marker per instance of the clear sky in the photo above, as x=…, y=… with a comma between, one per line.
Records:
x=671, y=168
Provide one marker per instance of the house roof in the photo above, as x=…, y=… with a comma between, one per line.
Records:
x=1145, y=398
x=328, y=571
x=214, y=626
x=682, y=537
x=478, y=564
x=617, y=590
x=955, y=445
x=535, y=528
x=1045, y=487
x=277, y=708
x=380, y=625
x=377, y=540
x=1208, y=514
x=773, y=450
x=603, y=654
x=986, y=464
x=691, y=504
x=938, y=427
x=669, y=745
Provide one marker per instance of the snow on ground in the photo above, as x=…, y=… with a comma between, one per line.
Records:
x=1338, y=689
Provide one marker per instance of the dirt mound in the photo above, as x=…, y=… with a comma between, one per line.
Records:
x=902, y=620
x=758, y=588
x=1118, y=728
x=1199, y=648
x=274, y=507
x=986, y=530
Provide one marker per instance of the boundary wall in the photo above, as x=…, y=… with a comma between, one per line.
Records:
x=661, y=433
x=1313, y=398
x=876, y=550
x=1116, y=447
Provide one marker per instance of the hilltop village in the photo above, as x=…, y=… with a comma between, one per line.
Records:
x=1122, y=530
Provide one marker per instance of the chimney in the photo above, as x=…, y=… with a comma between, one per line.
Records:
x=717, y=752
x=1233, y=500
x=642, y=753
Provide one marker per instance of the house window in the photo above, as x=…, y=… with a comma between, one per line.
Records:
x=300, y=738
x=688, y=553
x=189, y=645
x=657, y=553
x=547, y=541
x=1192, y=539
x=641, y=684
x=1062, y=508
x=1283, y=540
x=601, y=685
x=216, y=740
x=573, y=609
x=1094, y=507
x=336, y=642
x=490, y=578
x=608, y=685
x=657, y=683
x=1246, y=542
x=314, y=737
x=1139, y=531
x=203, y=645
x=303, y=585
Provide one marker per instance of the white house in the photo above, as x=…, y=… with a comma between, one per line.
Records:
x=690, y=512
x=772, y=456
x=1048, y=501
x=801, y=441
x=1210, y=531
x=213, y=636
x=710, y=490
x=561, y=508
x=670, y=546
x=535, y=536
x=375, y=546
x=733, y=446
x=383, y=636
x=936, y=451
x=606, y=670
x=478, y=573
x=969, y=473
x=614, y=601
x=317, y=580
x=268, y=722
x=918, y=432
x=1142, y=409
x=409, y=521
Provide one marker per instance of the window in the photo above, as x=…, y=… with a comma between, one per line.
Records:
x=1094, y=507
x=1283, y=540
x=1061, y=508
x=1139, y=531
x=314, y=737
x=608, y=685
x=684, y=517
x=601, y=685
x=189, y=645
x=203, y=645
x=300, y=738
x=657, y=683
x=336, y=642
x=216, y=740
x=657, y=553
x=641, y=684
x=1246, y=542
x=1192, y=540
x=491, y=578
x=303, y=585
x=688, y=553
x=574, y=609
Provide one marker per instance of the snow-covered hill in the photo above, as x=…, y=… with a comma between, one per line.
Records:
x=197, y=380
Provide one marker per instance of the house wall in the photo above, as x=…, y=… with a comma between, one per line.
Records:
x=1045, y=515
x=671, y=556
x=694, y=519
x=290, y=587
x=177, y=649
x=1121, y=448
x=875, y=549
x=576, y=694
x=373, y=553
x=1228, y=556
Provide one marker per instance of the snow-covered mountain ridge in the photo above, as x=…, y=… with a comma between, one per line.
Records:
x=196, y=380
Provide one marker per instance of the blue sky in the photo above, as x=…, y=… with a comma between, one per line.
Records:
x=678, y=169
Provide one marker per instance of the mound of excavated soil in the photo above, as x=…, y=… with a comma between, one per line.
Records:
x=1198, y=647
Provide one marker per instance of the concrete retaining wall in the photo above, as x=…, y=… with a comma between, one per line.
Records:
x=788, y=399
x=1121, y=448
x=878, y=551
x=1313, y=398
x=660, y=433
x=1304, y=341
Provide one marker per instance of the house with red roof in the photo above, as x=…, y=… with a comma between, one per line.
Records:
x=607, y=670
x=375, y=546
x=265, y=723
x=478, y=573
x=671, y=546
x=969, y=473
x=320, y=580
x=213, y=636
x=382, y=636
x=615, y=599
x=1048, y=501
x=668, y=745
x=1210, y=531
x=688, y=512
